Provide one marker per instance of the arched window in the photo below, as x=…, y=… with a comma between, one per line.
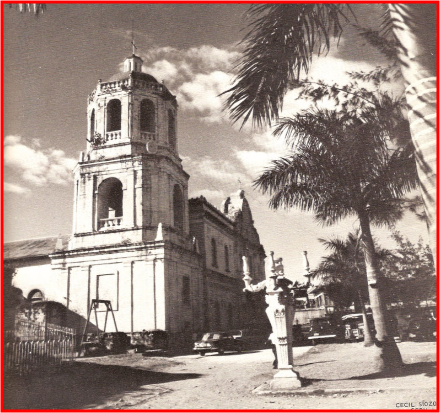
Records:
x=114, y=115
x=171, y=129
x=214, y=252
x=148, y=121
x=226, y=258
x=35, y=296
x=178, y=207
x=110, y=203
x=92, y=124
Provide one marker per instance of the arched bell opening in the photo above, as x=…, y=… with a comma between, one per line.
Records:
x=110, y=197
x=114, y=115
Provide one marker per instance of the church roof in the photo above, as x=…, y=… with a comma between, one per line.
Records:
x=34, y=248
x=136, y=75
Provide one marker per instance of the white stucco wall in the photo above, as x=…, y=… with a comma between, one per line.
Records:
x=41, y=277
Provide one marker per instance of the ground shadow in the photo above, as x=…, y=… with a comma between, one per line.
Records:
x=429, y=368
x=78, y=385
x=315, y=362
x=232, y=353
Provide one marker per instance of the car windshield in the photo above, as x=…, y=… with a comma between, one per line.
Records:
x=211, y=336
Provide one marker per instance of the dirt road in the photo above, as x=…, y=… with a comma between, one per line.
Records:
x=192, y=382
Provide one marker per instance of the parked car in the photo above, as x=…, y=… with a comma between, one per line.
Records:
x=300, y=334
x=115, y=342
x=144, y=340
x=104, y=343
x=325, y=329
x=354, y=326
x=251, y=338
x=217, y=342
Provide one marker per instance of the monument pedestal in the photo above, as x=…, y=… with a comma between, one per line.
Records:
x=280, y=312
x=285, y=379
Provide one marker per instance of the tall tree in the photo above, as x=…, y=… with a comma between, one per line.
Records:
x=410, y=272
x=281, y=41
x=341, y=165
x=341, y=274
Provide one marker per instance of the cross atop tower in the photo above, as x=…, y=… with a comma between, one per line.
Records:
x=132, y=37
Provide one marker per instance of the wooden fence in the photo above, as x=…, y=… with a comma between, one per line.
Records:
x=35, y=346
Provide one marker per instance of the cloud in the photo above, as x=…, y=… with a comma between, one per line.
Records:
x=37, y=166
x=209, y=194
x=255, y=162
x=15, y=189
x=201, y=95
x=196, y=75
x=201, y=59
x=208, y=58
x=220, y=171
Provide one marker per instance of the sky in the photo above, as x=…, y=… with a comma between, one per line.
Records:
x=51, y=63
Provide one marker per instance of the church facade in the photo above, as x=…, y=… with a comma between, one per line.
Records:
x=163, y=261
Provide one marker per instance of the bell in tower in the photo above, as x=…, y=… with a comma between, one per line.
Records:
x=130, y=178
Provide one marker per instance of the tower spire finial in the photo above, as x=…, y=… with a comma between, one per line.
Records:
x=132, y=36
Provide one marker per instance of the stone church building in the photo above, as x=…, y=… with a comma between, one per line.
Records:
x=164, y=262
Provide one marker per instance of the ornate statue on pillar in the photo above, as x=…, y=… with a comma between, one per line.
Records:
x=280, y=311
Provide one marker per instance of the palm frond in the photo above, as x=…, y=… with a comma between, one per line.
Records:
x=279, y=45
x=340, y=165
x=380, y=39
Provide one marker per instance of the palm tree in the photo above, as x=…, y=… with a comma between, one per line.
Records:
x=413, y=27
x=340, y=165
x=342, y=275
x=281, y=41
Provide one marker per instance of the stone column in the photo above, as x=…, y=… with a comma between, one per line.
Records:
x=280, y=312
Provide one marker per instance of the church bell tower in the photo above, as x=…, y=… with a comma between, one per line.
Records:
x=130, y=178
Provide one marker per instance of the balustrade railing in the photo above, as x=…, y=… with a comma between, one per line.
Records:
x=112, y=136
x=109, y=223
x=148, y=136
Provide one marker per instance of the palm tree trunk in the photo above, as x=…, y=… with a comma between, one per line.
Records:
x=389, y=353
x=414, y=27
x=368, y=337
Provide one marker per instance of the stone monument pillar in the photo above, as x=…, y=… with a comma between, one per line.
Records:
x=280, y=311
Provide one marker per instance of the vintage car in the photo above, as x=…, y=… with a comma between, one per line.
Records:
x=217, y=342
x=325, y=330
x=251, y=338
x=104, y=343
x=115, y=342
x=300, y=334
x=354, y=326
x=144, y=341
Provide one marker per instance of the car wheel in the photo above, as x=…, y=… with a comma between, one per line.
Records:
x=202, y=353
x=221, y=351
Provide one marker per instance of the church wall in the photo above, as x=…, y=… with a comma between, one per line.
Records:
x=167, y=284
x=40, y=277
x=130, y=277
x=225, y=302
